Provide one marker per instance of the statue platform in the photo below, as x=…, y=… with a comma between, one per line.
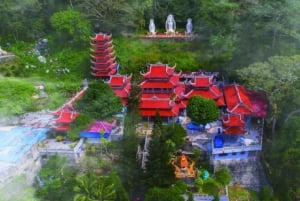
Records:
x=166, y=36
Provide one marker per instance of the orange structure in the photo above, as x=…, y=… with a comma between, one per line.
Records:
x=184, y=167
x=103, y=59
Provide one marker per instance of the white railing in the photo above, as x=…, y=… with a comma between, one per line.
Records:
x=257, y=147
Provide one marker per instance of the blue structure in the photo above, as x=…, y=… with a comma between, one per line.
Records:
x=192, y=126
x=87, y=134
x=218, y=142
x=15, y=142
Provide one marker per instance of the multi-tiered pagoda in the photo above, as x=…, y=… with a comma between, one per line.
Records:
x=160, y=91
x=103, y=59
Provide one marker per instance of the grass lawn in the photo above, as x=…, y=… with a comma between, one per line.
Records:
x=238, y=193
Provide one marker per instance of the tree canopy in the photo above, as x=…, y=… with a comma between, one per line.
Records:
x=202, y=110
x=99, y=101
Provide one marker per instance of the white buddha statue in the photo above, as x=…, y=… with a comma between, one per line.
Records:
x=170, y=24
x=152, y=27
x=189, y=26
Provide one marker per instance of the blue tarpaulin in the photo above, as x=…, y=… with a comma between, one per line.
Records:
x=192, y=126
x=87, y=134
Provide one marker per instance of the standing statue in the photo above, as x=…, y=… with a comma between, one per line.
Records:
x=170, y=24
x=152, y=27
x=189, y=26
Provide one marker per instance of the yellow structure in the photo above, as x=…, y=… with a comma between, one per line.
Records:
x=184, y=166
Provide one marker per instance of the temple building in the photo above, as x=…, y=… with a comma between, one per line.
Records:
x=161, y=89
x=103, y=56
x=233, y=124
x=241, y=136
x=121, y=86
x=65, y=116
x=238, y=109
x=237, y=100
x=202, y=84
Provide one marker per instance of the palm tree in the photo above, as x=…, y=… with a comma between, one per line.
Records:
x=90, y=187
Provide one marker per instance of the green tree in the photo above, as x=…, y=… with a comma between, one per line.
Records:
x=216, y=22
x=99, y=101
x=211, y=187
x=57, y=180
x=266, y=194
x=71, y=24
x=163, y=194
x=223, y=176
x=129, y=169
x=79, y=124
x=170, y=138
x=202, y=110
x=90, y=187
x=114, y=16
x=283, y=159
x=15, y=23
x=266, y=28
x=278, y=78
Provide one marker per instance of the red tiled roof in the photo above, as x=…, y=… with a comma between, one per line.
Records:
x=220, y=101
x=202, y=81
x=234, y=131
x=117, y=80
x=156, y=103
x=121, y=93
x=100, y=44
x=175, y=79
x=157, y=95
x=211, y=93
x=179, y=90
x=101, y=37
x=103, y=57
x=154, y=85
x=171, y=112
x=103, y=51
x=67, y=117
x=233, y=120
x=104, y=74
x=237, y=99
x=104, y=68
x=107, y=62
x=159, y=71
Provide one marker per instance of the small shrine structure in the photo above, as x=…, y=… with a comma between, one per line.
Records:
x=121, y=85
x=184, y=167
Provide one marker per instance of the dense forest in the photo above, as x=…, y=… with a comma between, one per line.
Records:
x=253, y=42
